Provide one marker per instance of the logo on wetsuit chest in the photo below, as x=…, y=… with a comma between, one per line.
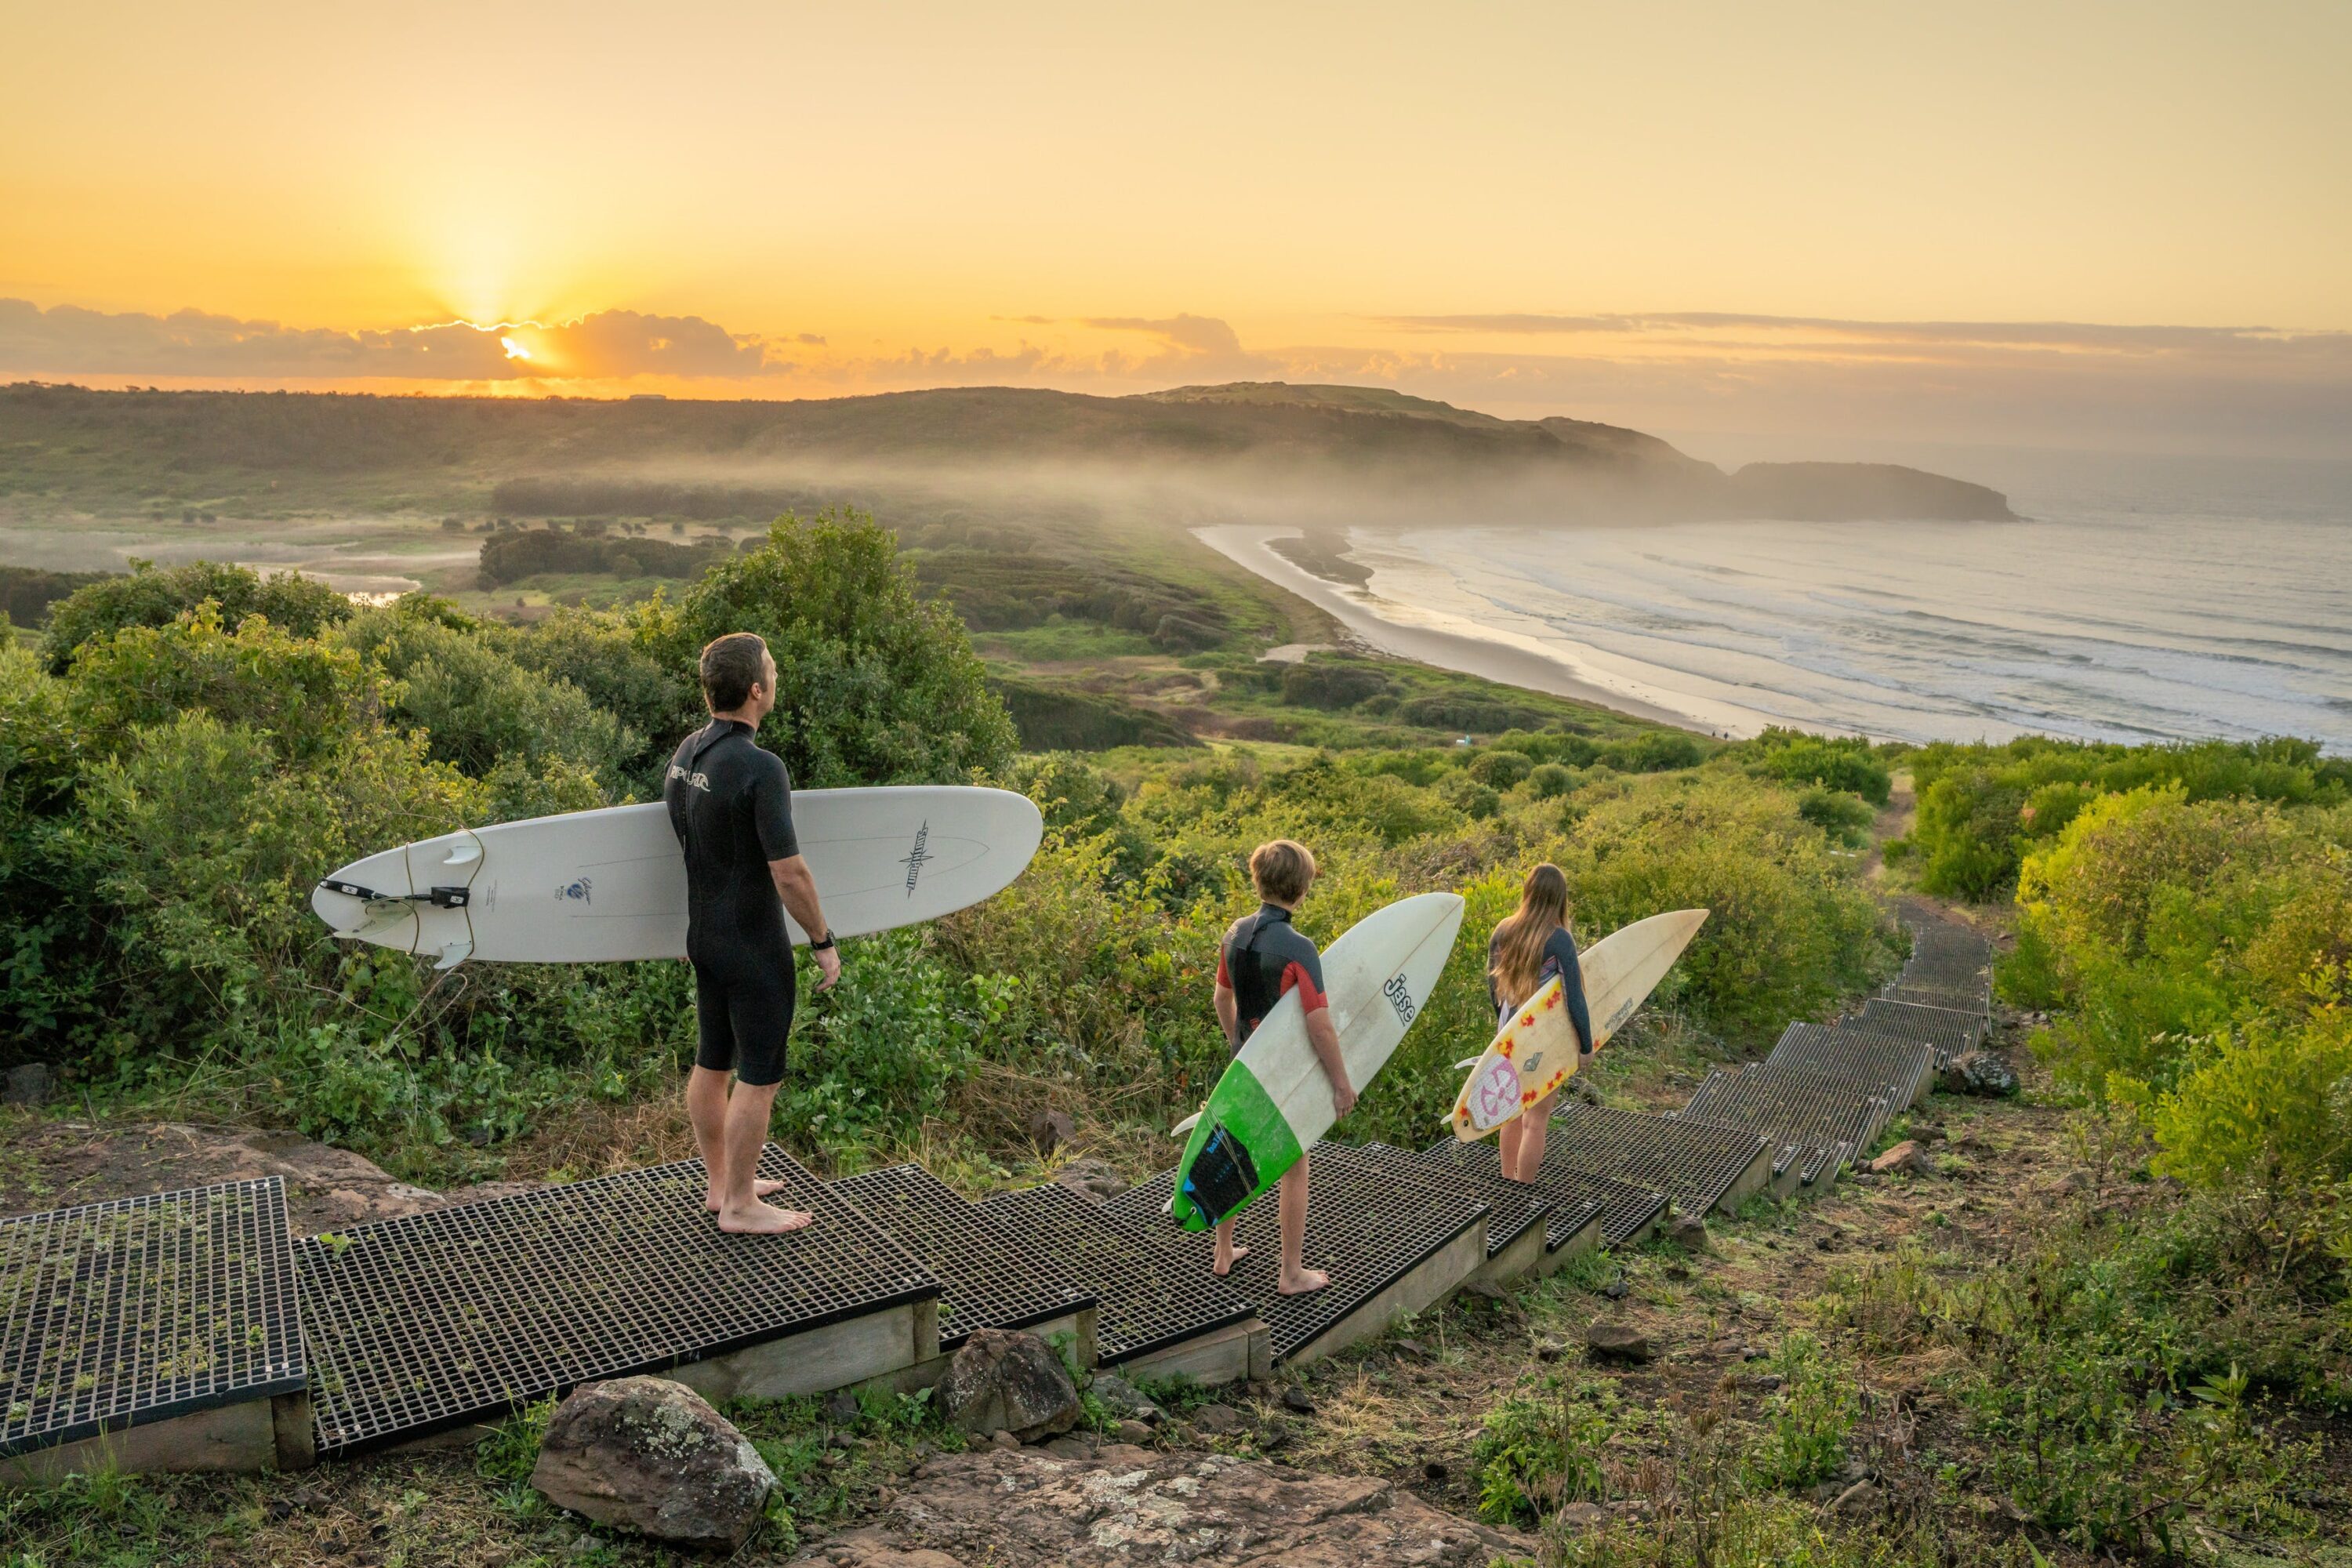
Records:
x=1400, y=997
x=914, y=859
x=578, y=891
x=696, y=781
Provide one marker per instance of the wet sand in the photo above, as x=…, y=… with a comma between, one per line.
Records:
x=1403, y=630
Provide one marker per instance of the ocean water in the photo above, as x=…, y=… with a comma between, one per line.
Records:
x=2143, y=599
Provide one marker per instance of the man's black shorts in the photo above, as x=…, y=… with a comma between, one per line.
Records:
x=745, y=1019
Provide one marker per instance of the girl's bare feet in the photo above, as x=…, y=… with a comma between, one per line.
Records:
x=1224, y=1264
x=761, y=1219
x=763, y=1188
x=1305, y=1282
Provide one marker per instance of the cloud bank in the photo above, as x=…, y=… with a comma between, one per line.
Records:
x=2255, y=390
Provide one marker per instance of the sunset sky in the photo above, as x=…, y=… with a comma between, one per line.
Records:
x=2124, y=225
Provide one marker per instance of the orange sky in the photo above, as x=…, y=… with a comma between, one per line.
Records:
x=1851, y=218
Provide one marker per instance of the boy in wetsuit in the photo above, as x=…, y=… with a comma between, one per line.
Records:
x=732, y=804
x=1263, y=958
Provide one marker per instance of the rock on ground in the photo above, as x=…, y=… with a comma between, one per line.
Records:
x=1618, y=1341
x=1003, y=1382
x=326, y=1188
x=1024, y=1509
x=30, y=1085
x=1091, y=1179
x=650, y=1455
x=1905, y=1156
x=1980, y=1072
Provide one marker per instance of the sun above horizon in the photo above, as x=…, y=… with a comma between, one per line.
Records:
x=514, y=349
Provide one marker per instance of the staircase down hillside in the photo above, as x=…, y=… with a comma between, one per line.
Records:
x=191, y=1329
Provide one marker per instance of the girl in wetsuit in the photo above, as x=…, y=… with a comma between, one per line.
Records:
x=1526, y=949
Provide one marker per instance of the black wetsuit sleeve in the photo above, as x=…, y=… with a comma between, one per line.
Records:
x=1493, y=997
x=771, y=811
x=1561, y=950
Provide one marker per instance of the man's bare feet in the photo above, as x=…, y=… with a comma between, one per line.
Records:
x=761, y=1188
x=1224, y=1266
x=761, y=1219
x=1305, y=1282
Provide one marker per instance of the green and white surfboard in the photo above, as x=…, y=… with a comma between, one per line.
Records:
x=1275, y=1099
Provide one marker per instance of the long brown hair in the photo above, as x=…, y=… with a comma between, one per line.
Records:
x=1519, y=940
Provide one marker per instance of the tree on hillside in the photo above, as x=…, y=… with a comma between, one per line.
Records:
x=876, y=684
x=150, y=597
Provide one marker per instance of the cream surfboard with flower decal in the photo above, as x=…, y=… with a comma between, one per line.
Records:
x=1535, y=1049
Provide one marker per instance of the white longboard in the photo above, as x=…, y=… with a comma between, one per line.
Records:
x=1535, y=1050
x=598, y=885
x=1274, y=1099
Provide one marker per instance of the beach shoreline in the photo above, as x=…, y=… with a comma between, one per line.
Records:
x=1499, y=657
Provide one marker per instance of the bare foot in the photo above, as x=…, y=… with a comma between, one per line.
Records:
x=761, y=1219
x=1305, y=1282
x=1222, y=1269
x=763, y=1188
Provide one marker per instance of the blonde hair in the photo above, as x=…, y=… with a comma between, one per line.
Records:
x=1282, y=870
x=1519, y=940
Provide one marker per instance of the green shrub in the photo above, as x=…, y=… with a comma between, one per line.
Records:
x=1468, y=796
x=1549, y=781
x=1541, y=1446
x=302, y=694
x=874, y=685
x=1807, y=1419
x=1840, y=763
x=1331, y=684
x=1499, y=770
x=148, y=597
x=1845, y=818
x=2269, y=1112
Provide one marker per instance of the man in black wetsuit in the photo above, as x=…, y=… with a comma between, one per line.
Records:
x=1262, y=960
x=732, y=804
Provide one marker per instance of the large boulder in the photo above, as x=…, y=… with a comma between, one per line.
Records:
x=1980, y=1072
x=1907, y=1158
x=648, y=1455
x=1123, y=1507
x=1003, y=1381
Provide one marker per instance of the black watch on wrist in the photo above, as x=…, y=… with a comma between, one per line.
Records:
x=823, y=942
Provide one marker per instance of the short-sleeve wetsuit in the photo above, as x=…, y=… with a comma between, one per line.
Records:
x=732, y=804
x=1559, y=958
x=1263, y=958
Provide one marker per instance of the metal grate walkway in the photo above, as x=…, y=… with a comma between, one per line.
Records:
x=1626, y=1211
x=463, y=1313
x=991, y=1276
x=117, y=1314
x=1147, y=1298
x=1368, y=1224
x=1699, y=1167
x=1952, y=1034
x=1872, y=1061
x=1818, y=1121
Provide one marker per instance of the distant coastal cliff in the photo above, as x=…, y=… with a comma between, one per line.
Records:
x=1321, y=454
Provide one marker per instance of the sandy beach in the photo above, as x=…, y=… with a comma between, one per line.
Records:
x=1411, y=632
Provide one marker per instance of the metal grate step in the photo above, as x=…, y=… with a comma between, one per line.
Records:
x=1513, y=1208
x=1949, y=1032
x=1148, y=1296
x=1368, y=1224
x=1819, y=1122
x=991, y=1276
x=1699, y=1167
x=1975, y=999
x=1625, y=1211
x=1871, y=1060
x=120, y=1313
x=462, y=1313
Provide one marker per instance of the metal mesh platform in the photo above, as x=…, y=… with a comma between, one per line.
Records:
x=462, y=1313
x=1872, y=1062
x=1148, y=1296
x=117, y=1314
x=1370, y=1221
x=1694, y=1165
x=1625, y=1210
x=1819, y=1122
x=1513, y=1208
x=991, y=1276
x=1951, y=1033
x=1975, y=1002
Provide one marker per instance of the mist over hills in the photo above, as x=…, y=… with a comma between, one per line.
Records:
x=1340, y=451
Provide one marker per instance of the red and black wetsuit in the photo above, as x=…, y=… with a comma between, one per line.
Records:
x=1263, y=958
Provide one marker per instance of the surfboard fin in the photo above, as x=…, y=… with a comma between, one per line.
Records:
x=1468, y=1062
x=1185, y=1126
x=454, y=953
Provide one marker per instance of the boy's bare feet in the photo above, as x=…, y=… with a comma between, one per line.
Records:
x=761, y=1219
x=1224, y=1264
x=764, y=1188
x=1305, y=1282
